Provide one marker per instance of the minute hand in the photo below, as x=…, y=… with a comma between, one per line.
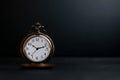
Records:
x=40, y=47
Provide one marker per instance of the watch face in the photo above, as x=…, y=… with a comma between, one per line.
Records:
x=37, y=48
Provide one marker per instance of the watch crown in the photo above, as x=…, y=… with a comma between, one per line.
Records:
x=38, y=27
x=37, y=24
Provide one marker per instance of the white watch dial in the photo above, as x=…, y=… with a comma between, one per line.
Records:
x=37, y=49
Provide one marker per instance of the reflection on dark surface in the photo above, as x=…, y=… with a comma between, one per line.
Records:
x=66, y=68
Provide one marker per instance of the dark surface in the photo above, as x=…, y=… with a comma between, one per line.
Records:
x=66, y=69
x=77, y=27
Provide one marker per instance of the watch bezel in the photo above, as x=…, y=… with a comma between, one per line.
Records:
x=27, y=38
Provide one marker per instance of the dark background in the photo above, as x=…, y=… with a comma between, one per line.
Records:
x=79, y=28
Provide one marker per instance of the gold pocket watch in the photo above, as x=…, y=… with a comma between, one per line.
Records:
x=37, y=48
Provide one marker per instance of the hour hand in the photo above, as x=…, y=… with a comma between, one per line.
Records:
x=34, y=46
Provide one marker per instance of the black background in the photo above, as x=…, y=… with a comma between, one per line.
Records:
x=77, y=27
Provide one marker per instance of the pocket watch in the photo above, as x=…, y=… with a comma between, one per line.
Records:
x=37, y=48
